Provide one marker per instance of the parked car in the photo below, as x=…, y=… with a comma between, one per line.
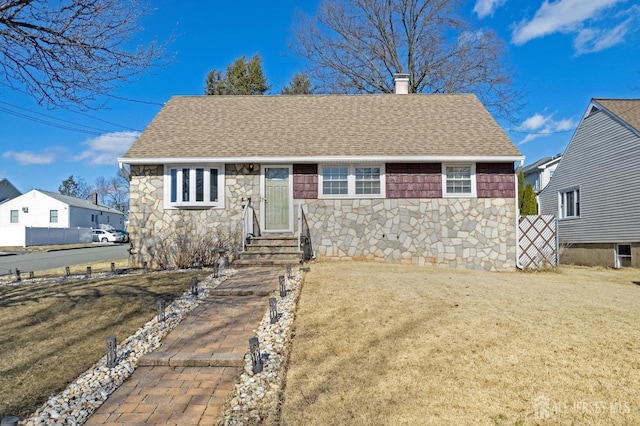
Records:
x=125, y=235
x=107, y=236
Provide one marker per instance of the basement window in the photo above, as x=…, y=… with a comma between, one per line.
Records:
x=623, y=255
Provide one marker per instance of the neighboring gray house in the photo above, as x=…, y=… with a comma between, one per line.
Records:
x=539, y=173
x=7, y=190
x=595, y=191
x=413, y=178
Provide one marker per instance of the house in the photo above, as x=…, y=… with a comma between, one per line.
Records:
x=539, y=173
x=7, y=190
x=35, y=211
x=414, y=178
x=594, y=191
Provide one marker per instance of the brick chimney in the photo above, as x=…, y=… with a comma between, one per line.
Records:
x=401, y=82
x=94, y=198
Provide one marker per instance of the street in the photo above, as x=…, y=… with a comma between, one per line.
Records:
x=40, y=261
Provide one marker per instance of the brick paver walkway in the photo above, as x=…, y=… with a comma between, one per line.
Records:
x=189, y=378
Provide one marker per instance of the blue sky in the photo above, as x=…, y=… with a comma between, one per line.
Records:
x=563, y=53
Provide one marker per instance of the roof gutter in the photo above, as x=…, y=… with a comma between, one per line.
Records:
x=329, y=159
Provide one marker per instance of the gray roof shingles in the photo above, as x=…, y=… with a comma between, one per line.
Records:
x=322, y=125
x=79, y=202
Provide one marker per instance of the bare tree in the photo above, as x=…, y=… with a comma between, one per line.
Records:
x=71, y=51
x=113, y=192
x=355, y=46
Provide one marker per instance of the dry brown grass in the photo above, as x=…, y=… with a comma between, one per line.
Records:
x=51, y=333
x=379, y=344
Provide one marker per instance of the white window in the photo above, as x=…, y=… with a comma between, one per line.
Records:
x=14, y=216
x=458, y=180
x=351, y=181
x=569, y=203
x=53, y=216
x=623, y=254
x=189, y=185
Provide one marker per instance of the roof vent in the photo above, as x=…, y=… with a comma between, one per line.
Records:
x=401, y=82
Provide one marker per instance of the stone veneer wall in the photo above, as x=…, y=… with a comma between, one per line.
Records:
x=472, y=233
x=469, y=233
x=149, y=221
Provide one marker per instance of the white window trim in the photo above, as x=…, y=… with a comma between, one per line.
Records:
x=474, y=191
x=351, y=182
x=192, y=186
x=562, y=209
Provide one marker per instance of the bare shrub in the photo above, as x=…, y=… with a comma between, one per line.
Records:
x=184, y=251
x=160, y=253
x=206, y=250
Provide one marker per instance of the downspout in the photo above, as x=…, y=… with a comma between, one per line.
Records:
x=125, y=172
x=518, y=264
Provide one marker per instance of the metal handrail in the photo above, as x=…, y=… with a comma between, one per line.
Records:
x=245, y=229
x=304, y=234
x=250, y=224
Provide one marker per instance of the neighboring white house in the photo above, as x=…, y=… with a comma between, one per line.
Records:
x=44, y=210
x=7, y=190
x=539, y=173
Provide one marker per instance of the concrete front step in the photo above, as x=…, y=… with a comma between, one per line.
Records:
x=280, y=248
x=274, y=239
x=271, y=254
x=155, y=359
x=265, y=262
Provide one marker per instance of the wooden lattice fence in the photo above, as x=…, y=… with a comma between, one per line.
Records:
x=538, y=242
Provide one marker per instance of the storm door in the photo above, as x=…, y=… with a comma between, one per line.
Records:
x=277, y=199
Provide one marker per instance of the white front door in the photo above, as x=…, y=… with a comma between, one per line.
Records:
x=277, y=197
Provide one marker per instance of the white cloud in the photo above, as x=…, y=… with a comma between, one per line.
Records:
x=27, y=158
x=539, y=125
x=594, y=40
x=484, y=8
x=560, y=16
x=105, y=149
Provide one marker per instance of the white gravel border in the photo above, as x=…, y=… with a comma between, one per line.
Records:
x=81, y=398
x=256, y=398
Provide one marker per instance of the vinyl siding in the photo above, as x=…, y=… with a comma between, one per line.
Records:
x=602, y=161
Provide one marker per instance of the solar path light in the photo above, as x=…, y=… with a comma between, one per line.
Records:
x=111, y=351
x=256, y=359
x=273, y=310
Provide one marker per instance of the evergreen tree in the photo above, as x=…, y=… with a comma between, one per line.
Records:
x=529, y=202
x=75, y=188
x=242, y=77
x=299, y=85
x=520, y=188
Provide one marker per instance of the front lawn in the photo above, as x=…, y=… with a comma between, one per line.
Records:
x=52, y=332
x=380, y=344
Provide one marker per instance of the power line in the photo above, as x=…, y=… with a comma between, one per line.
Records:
x=48, y=123
x=550, y=132
x=135, y=100
x=91, y=130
